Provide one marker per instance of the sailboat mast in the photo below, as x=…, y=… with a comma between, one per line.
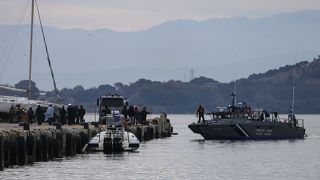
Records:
x=30, y=58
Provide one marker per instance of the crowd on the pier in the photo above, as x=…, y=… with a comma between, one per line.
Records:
x=72, y=114
x=135, y=115
x=132, y=114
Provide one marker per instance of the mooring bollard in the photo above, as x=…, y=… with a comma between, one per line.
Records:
x=85, y=126
x=57, y=125
x=95, y=124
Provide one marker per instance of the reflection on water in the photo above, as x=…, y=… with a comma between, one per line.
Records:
x=188, y=156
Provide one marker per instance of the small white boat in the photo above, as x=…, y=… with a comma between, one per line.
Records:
x=114, y=140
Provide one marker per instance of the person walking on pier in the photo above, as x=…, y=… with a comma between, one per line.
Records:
x=200, y=113
x=39, y=115
x=30, y=115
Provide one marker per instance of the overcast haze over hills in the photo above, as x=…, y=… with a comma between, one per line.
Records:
x=222, y=49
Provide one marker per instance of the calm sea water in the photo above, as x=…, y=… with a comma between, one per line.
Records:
x=187, y=156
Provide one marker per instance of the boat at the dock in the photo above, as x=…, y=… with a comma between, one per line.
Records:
x=243, y=123
x=115, y=138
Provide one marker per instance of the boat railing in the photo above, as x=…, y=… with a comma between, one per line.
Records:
x=299, y=122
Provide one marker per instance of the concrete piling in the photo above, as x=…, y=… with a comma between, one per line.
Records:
x=20, y=146
x=1, y=153
x=22, y=150
x=31, y=148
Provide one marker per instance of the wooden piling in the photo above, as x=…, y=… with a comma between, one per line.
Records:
x=21, y=150
x=31, y=148
x=1, y=152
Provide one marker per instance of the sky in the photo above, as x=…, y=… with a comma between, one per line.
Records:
x=137, y=15
x=132, y=15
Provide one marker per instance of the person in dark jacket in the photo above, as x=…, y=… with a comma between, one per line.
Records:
x=200, y=113
x=63, y=114
x=76, y=114
x=39, y=115
x=71, y=114
x=81, y=113
x=131, y=114
x=30, y=115
x=144, y=115
x=124, y=111
x=19, y=113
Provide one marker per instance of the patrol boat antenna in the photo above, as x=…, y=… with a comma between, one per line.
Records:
x=293, y=88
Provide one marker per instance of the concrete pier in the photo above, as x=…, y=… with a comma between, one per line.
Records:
x=40, y=143
x=20, y=146
x=157, y=128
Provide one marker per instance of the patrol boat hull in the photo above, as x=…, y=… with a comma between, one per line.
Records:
x=243, y=129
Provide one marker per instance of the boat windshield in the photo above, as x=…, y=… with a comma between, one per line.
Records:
x=112, y=102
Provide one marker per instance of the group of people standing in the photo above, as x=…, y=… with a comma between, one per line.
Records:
x=135, y=115
x=70, y=115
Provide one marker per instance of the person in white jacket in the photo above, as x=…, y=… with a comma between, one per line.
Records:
x=50, y=114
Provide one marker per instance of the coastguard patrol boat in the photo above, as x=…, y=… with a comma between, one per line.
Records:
x=243, y=123
x=115, y=138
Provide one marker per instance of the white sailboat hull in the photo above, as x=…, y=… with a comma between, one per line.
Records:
x=7, y=101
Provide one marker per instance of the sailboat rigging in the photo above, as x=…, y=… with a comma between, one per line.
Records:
x=6, y=102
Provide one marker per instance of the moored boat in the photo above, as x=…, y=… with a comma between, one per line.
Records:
x=243, y=123
x=115, y=138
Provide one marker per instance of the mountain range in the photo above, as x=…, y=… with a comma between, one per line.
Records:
x=224, y=49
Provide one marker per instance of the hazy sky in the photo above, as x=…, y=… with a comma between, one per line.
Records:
x=128, y=15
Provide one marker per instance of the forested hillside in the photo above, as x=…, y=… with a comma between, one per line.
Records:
x=271, y=90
